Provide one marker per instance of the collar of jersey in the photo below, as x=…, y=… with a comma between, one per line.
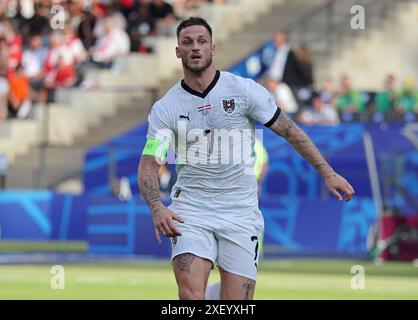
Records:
x=208, y=89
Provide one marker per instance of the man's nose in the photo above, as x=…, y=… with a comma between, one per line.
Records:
x=195, y=46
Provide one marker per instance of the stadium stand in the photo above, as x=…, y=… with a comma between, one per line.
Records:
x=132, y=77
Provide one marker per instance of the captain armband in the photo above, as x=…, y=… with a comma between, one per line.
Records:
x=156, y=148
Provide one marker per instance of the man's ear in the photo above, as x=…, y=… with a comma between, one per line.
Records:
x=178, y=52
x=213, y=50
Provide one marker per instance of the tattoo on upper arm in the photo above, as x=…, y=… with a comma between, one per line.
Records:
x=288, y=129
x=248, y=286
x=184, y=261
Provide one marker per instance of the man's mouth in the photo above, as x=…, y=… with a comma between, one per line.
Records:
x=196, y=57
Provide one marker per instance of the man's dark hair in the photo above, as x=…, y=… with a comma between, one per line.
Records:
x=315, y=94
x=193, y=21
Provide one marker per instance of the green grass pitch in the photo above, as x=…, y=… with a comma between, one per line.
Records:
x=277, y=279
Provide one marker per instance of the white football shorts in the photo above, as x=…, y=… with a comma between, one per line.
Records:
x=231, y=246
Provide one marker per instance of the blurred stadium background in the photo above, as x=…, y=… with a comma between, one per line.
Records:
x=73, y=108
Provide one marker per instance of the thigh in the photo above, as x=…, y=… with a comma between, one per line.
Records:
x=236, y=287
x=192, y=273
x=193, y=255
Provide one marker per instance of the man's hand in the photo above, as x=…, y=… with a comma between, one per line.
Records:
x=163, y=221
x=336, y=184
x=149, y=187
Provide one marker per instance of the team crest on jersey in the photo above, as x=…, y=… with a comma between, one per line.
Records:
x=174, y=241
x=229, y=105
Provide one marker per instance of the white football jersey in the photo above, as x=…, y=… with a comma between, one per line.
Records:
x=213, y=134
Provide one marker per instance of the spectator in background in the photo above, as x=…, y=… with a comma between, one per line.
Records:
x=103, y=13
x=163, y=12
x=350, y=103
x=38, y=24
x=59, y=68
x=304, y=57
x=285, y=66
x=284, y=97
x=14, y=44
x=74, y=45
x=186, y=5
x=3, y=7
x=384, y=101
x=111, y=45
x=191, y=6
x=319, y=113
x=20, y=94
x=100, y=12
x=141, y=24
x=407, y=104
x=126, y=7
x=33, y=62
x=4, y=93
x=4, y=53
x=76, y=49
x=328, y=93
x=306, y=81
x=62, y=75
x=74, y=8
x=86, y=27
x=57, y=51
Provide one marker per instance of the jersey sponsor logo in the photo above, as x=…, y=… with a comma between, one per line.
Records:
x=229, y=105
x=185, y=116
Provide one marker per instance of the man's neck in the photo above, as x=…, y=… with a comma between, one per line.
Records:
x=200, y=82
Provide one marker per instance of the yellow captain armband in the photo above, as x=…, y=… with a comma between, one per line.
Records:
x=156, y=148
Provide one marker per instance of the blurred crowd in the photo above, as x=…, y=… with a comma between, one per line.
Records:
x=48, y=44
x=290, y=79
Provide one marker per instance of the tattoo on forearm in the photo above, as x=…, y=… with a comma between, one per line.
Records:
x=285, y=127
x=184, y=261
x=329, y=176
x=248, y=286
x=321, y=165
x=149, y=185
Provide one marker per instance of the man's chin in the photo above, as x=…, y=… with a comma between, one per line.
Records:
x=197, y=68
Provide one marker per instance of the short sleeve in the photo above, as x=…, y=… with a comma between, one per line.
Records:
x=159, y=124
x=261, y=105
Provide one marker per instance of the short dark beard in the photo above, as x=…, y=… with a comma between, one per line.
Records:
x=199, y=71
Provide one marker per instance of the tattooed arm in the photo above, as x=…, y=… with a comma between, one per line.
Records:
x=285, y=127
x=150, y=190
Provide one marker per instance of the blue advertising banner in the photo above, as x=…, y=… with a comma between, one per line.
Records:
x=302, y=226
x=292, y=224
x=42, y=215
